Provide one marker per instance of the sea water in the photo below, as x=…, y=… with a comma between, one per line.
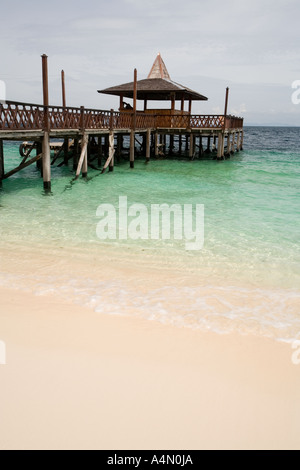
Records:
x=245, y=278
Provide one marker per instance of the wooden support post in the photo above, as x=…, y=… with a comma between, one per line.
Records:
x=200, y=146
x=228, y=145
x=66, y=150
x=75, y=153
x=119, y=146
x=172, y=101
x=63, y=88
x=156, y=144
x=242, y=140
x=132, y=148
x=226, y=101
x=191, y=149
x=171, y=144
x=100, y=150
x=111, y=150
x=208, y=144
x=220, y=154
x=233, y=142
x=111, y=153
x=39, y=150
x=182, y=103
x=83, y=157
x=134, y=91
x=148, y=143
x=46, y=140
x=1, y=162
x=106, y=145
x=180, y=144
x=85, y=160
x=46, y=162
x=186, y=142
x=238, y=141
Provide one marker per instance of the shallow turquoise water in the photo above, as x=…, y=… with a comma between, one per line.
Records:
x=251, y=203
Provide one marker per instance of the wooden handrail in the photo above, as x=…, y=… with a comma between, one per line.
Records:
x=15, y=115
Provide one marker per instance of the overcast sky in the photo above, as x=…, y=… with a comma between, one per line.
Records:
x=251, y=46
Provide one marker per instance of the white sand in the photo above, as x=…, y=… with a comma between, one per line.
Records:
x=75, y=379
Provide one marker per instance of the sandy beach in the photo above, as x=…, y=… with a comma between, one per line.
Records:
x=76, y=379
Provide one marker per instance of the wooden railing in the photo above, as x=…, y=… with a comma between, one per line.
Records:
x=15, y=116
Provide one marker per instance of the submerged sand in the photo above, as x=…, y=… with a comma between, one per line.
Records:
x=78, y=379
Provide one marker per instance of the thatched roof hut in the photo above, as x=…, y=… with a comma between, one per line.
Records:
x=158, y=86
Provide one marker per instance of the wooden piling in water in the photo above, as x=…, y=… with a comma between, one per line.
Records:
x=46, y=162
x=148, y=145
x=111, y=150
x=66, y=151
x=132, y=148
x=39, y=150
x=191, y=149
x=220, y=154
x=46, y=139
x=82, y=164
x=100, y=150
x=1, y=162
x=156, y=148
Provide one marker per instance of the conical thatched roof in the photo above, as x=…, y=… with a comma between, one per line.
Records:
x=158, y=86
x=159, y=69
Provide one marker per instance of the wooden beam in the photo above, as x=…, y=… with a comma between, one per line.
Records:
x=24, y=165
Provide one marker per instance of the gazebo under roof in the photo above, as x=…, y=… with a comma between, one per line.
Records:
x=157, y=87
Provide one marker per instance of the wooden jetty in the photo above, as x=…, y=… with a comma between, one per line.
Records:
x=84, y=132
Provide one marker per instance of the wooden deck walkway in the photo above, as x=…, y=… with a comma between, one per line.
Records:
x=38, y=124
